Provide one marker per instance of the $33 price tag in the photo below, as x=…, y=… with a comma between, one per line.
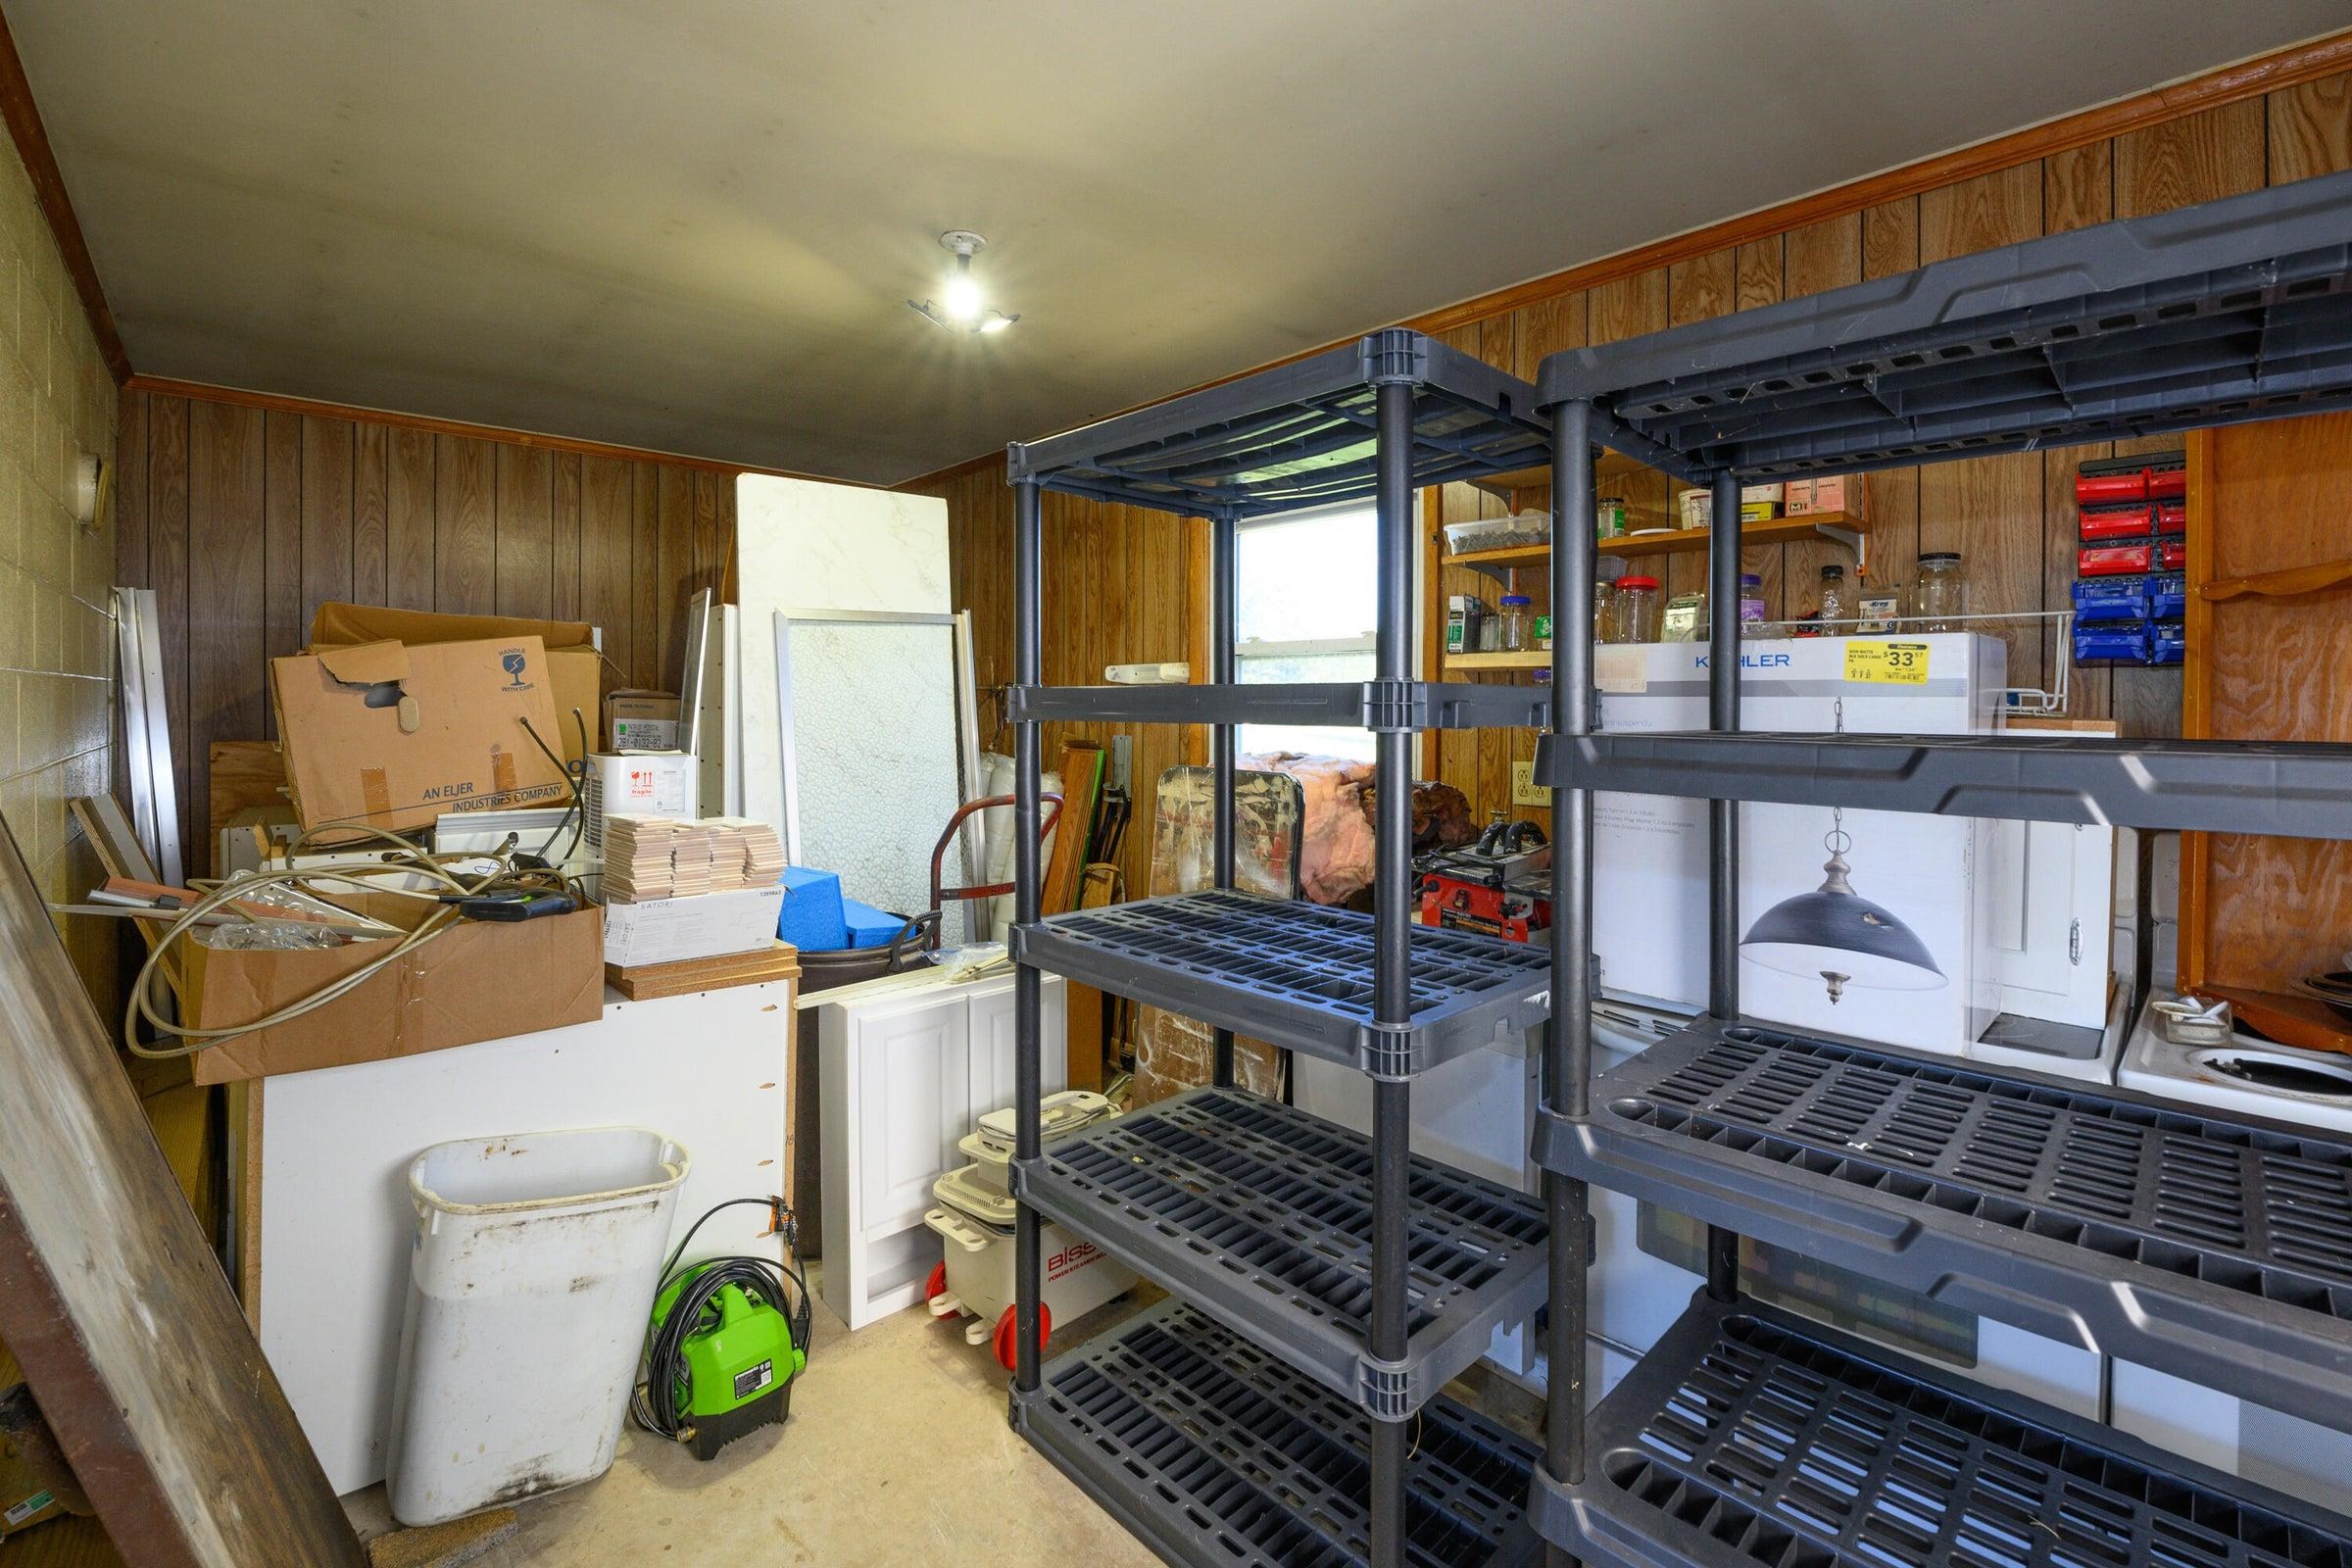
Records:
x=1887, y=664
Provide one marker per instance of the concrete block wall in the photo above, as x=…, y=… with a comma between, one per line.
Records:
x=57, y=641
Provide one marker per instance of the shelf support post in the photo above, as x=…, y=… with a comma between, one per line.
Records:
x=1224, y=631
x=1028, y=1019
x=1723, y=817
x=1391, y=938
x=1568, y=1041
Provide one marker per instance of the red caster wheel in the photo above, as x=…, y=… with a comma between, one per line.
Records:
x=1005, y=1339
x=936, y=1286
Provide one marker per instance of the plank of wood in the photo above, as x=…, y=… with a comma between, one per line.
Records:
x=245, y=774
x=371, y=479
x=2195, y=157
x=464, y=527
x=111, y=1298
x=2309, y=129
x=1082, y=763
x=606, y=579
x=648, y=982
x=525, y=549
x=565, y=589
x=226, y=631
x=411, y=500
x=326, y=517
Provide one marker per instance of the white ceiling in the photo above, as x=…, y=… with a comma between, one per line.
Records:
x=691, y=224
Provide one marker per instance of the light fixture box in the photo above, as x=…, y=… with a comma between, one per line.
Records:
x=1651, y=871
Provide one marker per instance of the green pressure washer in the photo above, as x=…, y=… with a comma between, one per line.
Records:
x=728, y=1337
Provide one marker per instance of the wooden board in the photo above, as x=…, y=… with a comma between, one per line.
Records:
x=648, y=981
x=245, y=774
x=111, y=1298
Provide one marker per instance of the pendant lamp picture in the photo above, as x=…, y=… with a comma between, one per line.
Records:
x=1840, y=935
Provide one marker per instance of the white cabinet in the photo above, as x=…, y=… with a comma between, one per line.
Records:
x=904, y=1076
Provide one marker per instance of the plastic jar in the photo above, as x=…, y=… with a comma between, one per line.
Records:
x=1635, y=610
x=1516, y=637
x=1752, y=604
x=1940, y=596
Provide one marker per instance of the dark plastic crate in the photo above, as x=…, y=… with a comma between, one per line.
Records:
x=1263, y=1215
x=2218, y=1248
x=1215, y=1456
x=2295, y=789
x=1297, y=974
x=1748, y=1437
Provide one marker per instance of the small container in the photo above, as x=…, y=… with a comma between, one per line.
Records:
x=1604, y=611
x=1752, y=604
x=1464, y=614
x=1635, y=610
x=2172, y=555
x=2110, y=601
x=1696, y=506
x=1833, y=601
x=1543, y=633
x=2115, y=560
x=1490, y=634
x=1609, y=518
x=1879, y=610
x=1514, y=634
x=1685, y=619
x=1940, y=596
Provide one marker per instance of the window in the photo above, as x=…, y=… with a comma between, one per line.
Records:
x=1308, y=608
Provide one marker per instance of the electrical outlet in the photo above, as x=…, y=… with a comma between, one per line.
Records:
x=1525, y=791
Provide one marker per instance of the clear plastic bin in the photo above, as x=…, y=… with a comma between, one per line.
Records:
x=1496, y=534
x=530, y=1284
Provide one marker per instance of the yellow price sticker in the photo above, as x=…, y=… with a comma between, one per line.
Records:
x=1887, y=664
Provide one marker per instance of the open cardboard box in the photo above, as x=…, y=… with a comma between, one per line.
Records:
x=575, y=668
x=478, y=980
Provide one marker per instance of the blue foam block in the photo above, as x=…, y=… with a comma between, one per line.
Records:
x=811, y=919
x=868, y=926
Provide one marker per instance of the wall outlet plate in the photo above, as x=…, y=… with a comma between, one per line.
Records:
x=1525, y=791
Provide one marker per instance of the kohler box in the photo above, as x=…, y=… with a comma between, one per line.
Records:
x=1855, y=922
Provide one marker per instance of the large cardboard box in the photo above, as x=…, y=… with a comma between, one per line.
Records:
x=393, y=735
x=641, y=722
x=479, y=980
x=574, y=666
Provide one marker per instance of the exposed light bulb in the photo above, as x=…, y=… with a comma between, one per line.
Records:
x=962, y=301
x=998, y=321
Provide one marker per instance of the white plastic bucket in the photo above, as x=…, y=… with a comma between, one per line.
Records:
x=530, y=1282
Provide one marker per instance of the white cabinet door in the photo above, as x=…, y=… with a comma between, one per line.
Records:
x=910, y=1069
x=990, y=1084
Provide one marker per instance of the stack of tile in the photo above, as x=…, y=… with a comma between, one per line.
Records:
x=744, y=854
x=689, y=861
x=638, y=860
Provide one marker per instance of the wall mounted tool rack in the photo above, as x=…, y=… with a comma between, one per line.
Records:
x=2216, y=1246
x=1287, y=1410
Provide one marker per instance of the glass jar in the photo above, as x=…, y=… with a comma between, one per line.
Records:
x=1834, y=604
x=1751, y=604
x=1604, y=611
x=1636, y=610
x=1517, y=637
x=1940, y=596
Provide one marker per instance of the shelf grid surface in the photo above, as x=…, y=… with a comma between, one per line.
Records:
x=1748, y=1437
x=1217, y=1454
x=2217, y=1248
x=2297, y=789
x=1298, y=435
x=1263, y=1215
x=2232, y=310
x=1297, y=974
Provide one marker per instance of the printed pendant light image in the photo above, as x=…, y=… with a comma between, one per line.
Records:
x=1840, y=935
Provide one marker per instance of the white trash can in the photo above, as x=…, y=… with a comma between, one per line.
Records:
x=530, y=1283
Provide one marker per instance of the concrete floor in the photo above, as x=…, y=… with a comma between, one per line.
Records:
x=896, y=1453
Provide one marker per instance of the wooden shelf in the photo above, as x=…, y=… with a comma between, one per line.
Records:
x=1608, y=466
x=1534, y=659
x=1835, y=527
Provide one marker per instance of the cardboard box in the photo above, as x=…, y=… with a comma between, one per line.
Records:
x=479, y=980
x=393, y=735
x=667, y=930
x=575, y=667
x=639, y=784
x=641, y=722
x=1844, y=493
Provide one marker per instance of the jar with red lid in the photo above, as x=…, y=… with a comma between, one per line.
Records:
x=1635, y=610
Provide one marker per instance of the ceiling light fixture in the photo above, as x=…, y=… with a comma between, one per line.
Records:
x=962, y=305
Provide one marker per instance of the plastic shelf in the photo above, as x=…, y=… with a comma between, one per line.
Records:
x=1748, y=1437
x=1262, y=1215
x=2293, y=789
x=2217, y=1248
x=1218, y=1456
x=1343, y=705
x=1298, y=435
x=2209, y=315
x=1297, y=974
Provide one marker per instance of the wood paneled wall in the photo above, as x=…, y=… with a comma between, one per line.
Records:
x=2013, y=518
x=244, y=519
x=1122, y=586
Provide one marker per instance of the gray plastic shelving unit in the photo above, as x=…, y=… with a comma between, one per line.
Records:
x=1217, y=1456
x=2215, y=1246
x=1261, y=1214
x=1748, y=1437
x=2218, y=1248
x=1298, y=975
x=1377, y=1273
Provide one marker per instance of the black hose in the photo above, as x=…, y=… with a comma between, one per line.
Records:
x=783, y=1287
